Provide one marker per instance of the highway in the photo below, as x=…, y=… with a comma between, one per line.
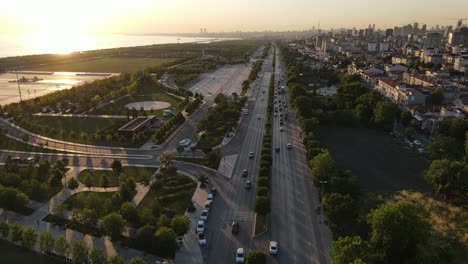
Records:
x=293, y=222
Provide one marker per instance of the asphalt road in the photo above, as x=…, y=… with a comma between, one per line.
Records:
x=293, y=222
x=234, y=202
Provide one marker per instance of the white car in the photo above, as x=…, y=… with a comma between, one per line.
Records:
x=201, y=226
x=185, y=142
x=289, y=145
x=240, y=255
x=273, y=247
x=281, y=128
x=204, y=214
x=258, y=116
x=276, y=114
x=210, y=197
x=417, y=143
x=201, y=239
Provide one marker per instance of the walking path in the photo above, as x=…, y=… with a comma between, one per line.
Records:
x=81, y=115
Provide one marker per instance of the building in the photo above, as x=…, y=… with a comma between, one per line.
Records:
x=459, y=37
x=460, y=63
x=400, y=93
x=138, y=124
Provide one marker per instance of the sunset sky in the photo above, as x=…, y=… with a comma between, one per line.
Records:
x=177, y=16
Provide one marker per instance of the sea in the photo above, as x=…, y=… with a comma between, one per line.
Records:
x=47, y=82
x=20, y=45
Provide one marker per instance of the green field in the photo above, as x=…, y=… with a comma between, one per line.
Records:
x=137, y=173
x=11, y=253
x=108, y=64
x=78, y=201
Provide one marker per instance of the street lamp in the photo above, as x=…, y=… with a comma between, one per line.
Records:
x=323, y=184
x=318, y=209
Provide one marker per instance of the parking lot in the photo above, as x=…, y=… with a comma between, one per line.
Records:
x=381, y=162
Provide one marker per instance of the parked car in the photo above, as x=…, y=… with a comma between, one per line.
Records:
x=185, y=142
x=235, y=227
x=201, y=226
x=204, y=214
x=240, y=258
x=277, y=149
x=251, y=155
x=273, y=247
x=245, y=173
x=248, y=185
x=201, y=239
x=208, y=204
x=258, y=116
x=210, y=197
x=213, y=191
x=281, y=128
x=289, y=145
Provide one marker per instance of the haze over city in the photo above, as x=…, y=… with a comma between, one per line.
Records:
x=182, y=16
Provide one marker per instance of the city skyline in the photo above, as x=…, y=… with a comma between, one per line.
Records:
x=52, y=17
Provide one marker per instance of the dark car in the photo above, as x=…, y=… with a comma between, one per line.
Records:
x=213, y=191
x=245, y=173
x=248, y=185
x=277, y=149
x=235, y=227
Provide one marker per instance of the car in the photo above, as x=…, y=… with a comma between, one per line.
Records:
x=245, y=173
x=281, y=119
x=281, y=114
x=208, y=205
x=280, y=109
x=273, y=247
x=201, y=239
x=275, y=114
x=258, y=116
x=262, y=99
x=185, y=142
x=179, y=241
x=204, y=214
x=251, y=155
x=248, y=185
x=213, y=191
x=421, y=150
x=417, y=142
x=240, y=258
x=281, y=123
x=235, y=227
x=201, y=226
x=277, y=149
x=246, y=112
x=281, y=128
x=289, y=145
x=210, y=197
x=263, y=91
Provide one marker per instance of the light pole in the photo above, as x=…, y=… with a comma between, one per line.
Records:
x=319, y=208
x=323, y=184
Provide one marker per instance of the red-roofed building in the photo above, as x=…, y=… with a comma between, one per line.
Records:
x=400, y=93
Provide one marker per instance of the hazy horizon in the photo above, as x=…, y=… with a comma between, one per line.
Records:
x=50, y=17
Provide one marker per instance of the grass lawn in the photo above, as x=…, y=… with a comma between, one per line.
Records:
x=12, y=253
x=170, y=195
x=11, y=144
x=379, y=161
x=260, y=224
x=211, y=139
x=74, y=201
x=137, y=173
x=108, y=64
x=118, y=107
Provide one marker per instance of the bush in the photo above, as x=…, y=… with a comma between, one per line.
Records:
x=262, y=205
x=263, y=182
x=262, y=191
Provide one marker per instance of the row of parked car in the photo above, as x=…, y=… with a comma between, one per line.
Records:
x=204, y=217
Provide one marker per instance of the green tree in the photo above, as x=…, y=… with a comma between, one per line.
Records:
x=73, y=184
x=116, y=166
x=29, y=237
x=115, y=260
x=436, y=97
x=165, y=242
x=16, y=232
x=398, y=230
x=137, y=260
x=87, y=180
x=221, y=98
x=322, y=167
x=385, y=114
x=342, y=212
x=144, y=237
x=105, y=181
x=262, y=205
x=62, y=246
x=444, y=148
x=4, y=228
x=79, y=252
x=129, y=212
x=46, y=242
x=98, y=256
x=112, y=225
x=255, y=257
x=448, y=177
x=165, y=160
x=180, y=224
x=347, y=250
x=405, y=117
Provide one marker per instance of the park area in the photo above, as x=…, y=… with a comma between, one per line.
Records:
x=107, y=64
x=95, y=177
x=379, y=161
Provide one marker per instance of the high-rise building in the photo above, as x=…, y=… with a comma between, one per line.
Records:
x=447, y=31
x=389, y=32
x=459, y=37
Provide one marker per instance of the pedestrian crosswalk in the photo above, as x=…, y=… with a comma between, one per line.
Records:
x=231, y=215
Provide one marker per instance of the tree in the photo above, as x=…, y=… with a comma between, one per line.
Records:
x=262, y=205
x=144, y=237
x=87, y=180
x=221, y=98
x=165, y=242
x=448, y=177
x=73, y=184
x=256, y=257
x=385, y=113
x=116, y=166
x=436, y=97
x=98, y=256
x=29, y=237
x=16, y=232
x=342, y=212
x=409, y=132
x=105, y=181
x=444, y=148
x=129, y=212
x=398, y=229
x=180, y=224
x=466, y=143
x=351, y=249
x=112, y=225
x=405, y=117
x=165, y=159
x=4, y=228
x=62, y=246
x=115, y=260
x=79, y=252
x=137, y=260
x=322, y=167
x=46, y=242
